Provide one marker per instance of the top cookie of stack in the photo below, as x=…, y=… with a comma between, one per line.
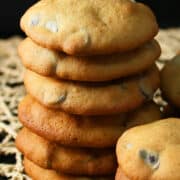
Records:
x=78, y=27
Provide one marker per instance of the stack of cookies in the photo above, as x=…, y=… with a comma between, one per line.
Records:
x=90, y=75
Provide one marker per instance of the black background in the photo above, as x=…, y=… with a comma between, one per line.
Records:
x=167, y=12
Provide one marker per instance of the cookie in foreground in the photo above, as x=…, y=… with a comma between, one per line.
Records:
x=151, y=152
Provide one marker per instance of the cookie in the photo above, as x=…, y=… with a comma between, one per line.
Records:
x=147, y=113
x=170, y=81
x=120, y=175
x=170, y=111
x=75, y=161
x=73, y=130
x=38, y=173
x=79, y=27
x=96, y=68
x=93, y=98
x=151, y=152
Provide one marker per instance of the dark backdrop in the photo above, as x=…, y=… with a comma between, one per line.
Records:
x=167, y=12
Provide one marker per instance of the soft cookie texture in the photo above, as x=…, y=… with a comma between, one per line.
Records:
x=70, y=130
x=96, y=68
x=80, y=131
x=170, y=81
x=38, y=173
x=93, y=98
x=80, y=27
x=75, y=161
x=151, y=152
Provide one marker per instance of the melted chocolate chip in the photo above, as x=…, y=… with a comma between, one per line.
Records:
x=150, y=158
x=62, y=98
x=7, y=158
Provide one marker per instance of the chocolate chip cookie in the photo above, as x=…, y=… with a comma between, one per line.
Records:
x=93, y=98
x=75, y=161
x=79, y=27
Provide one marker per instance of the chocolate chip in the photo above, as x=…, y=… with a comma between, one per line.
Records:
x=52, y=26
x=150, y=158
x=146, y=91
x=143, y=154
